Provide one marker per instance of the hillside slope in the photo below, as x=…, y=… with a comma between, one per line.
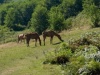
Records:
x=18, y=59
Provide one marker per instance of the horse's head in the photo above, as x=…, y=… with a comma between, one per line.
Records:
x=60, y=38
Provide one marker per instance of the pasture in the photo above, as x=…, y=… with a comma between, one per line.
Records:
x=18, y=59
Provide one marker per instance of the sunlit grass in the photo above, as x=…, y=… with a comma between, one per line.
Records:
x=19, y=59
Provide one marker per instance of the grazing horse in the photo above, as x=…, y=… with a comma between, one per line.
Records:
x=21, y=37
x=50, y=34
x=32, y=36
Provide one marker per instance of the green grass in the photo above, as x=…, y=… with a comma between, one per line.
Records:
x=22, y=60
x=17, y=59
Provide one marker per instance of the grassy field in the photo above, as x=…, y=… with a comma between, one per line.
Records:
x=18, y=59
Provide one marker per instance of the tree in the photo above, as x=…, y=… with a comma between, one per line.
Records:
x=92, y=11
x=97, y=3
x=39, y=21
x=2, y=15
x=71, y=7
x=50, y=3
x=10, y=18
x=25, y=11
x=56, y=19
x=3, y=32
x=1, y=1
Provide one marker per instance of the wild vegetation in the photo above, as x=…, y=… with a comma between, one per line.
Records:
x=53, y=14
x=56, y=58
x=58, y=15
x=79, y=54
x=80, y=57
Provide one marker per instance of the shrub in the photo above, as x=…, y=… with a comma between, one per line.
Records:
x=59, y=56
x=68, y=23
x=92, y=68
x=91, y=38
x=82, y=21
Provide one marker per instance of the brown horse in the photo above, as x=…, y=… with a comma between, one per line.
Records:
x=21, y=37
x=32, y=36
x=50, y=34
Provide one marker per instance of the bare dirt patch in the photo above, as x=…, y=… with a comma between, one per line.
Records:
x=8, y=45
x=9, y=71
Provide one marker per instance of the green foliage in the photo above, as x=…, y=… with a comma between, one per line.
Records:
x=24, y=12
x=60, y=55
x=71, y=8
x=17, y=13
x=80, y=62
x=10, y=21
x=56, y=19
x=97, y=3
x=1, y=1
x=91, y=38
x=4, y=1
x=50, y=3
x=2, y=15
x=3, y=32
x=82, y=21
x=57, y=15
x=68, y=23
x=39, y=21
x=92, y=11
x=3, y=29
x=64, y=50
x=92, y=68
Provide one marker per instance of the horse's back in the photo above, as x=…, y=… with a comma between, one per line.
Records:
x=32, y=35
x=21, y=36
x=48, y=33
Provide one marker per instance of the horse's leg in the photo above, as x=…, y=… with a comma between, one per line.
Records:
x=51, y=39
x=27, y=41
x=35, y=42
x=44, y=39
x=39, y=41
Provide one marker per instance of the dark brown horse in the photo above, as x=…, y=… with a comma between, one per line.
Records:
x=50, y=34
x=32, y=36
x=21, y=37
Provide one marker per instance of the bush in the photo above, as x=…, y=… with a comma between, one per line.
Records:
x=59, y=56
x=92, y=68
x=91, y=38
x=68, y=23
x=82, y=21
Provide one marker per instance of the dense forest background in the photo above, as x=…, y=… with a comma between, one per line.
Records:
x=39, y=15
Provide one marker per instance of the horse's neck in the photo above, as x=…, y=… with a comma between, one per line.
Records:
x=56, y=34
